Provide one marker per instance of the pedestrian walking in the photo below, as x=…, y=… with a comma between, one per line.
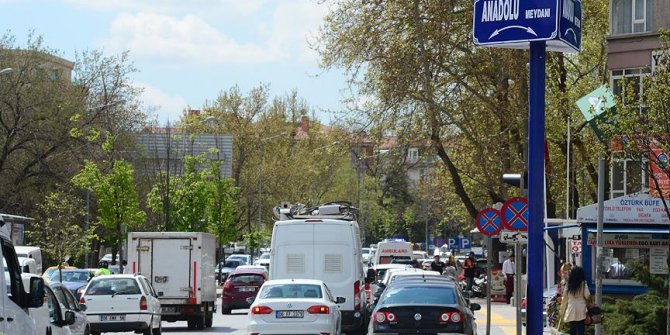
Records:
x=508, y=271
x=575, y=297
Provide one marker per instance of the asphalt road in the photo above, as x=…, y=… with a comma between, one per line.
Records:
x=233, y=324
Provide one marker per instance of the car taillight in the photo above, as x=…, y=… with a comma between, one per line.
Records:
x=227, y=286
x=261, y=310
x=357, y=296
x=143, y=303
x=381, y=317
x=318, y=309
x=454, y=317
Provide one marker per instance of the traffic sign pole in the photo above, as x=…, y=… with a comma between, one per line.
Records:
x=536, y=136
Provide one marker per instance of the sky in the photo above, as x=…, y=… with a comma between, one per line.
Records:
x=188, y=51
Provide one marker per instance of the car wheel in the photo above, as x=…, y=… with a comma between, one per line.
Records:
x=190, y=323
x=210, y=319
x=201, y=321
x=157, y=331
x=147, y=331
x=225, y=311
x=87, y=331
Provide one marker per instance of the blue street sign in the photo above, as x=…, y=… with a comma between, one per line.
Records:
x=488, y=221
x=570, y=23
x=458, y=243
x=515, y=214
x=515, y=23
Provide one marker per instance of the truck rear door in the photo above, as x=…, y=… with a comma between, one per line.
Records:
x=167, y=262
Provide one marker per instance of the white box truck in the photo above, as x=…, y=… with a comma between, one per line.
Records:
x=180, y=266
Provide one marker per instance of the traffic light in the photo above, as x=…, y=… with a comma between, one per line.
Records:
x=519, y=180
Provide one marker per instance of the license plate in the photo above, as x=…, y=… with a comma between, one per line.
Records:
x=290, y=314
x=168, y=309
x=247, y=289
x=112, y=318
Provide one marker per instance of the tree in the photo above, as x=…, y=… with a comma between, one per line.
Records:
x=37, y=104
x=415, y=66
x=117, y=201
x=222, y=198
x=58, y=227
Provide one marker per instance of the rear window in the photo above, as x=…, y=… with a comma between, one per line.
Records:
x=419, y=295
x=393, y=259
x=291, y=291
x=116, y=286
x=232, y=264
x=246, y=279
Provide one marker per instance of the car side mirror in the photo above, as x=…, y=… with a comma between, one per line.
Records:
x=340, y=300
x=475, y=307
x=69, y=318
x=36, y=295
x=250, y=300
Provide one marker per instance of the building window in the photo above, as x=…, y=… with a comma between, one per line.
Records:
x=413, y=155
x=628, y=176
x=629, y=79
x=632, y=16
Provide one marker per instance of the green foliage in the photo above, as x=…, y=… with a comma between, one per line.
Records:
x=255, y=239
x=58, y=227
x=200, y=199
x=642, y=315
x=117, y=199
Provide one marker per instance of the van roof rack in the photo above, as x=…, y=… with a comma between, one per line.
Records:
x=337, y=210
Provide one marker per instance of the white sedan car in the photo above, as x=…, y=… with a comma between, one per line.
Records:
x=121, y=303
x=294, y=306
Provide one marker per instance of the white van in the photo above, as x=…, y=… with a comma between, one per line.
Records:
x=14, y=318
x=319, y=247
x=390, y=250
x=31, y=252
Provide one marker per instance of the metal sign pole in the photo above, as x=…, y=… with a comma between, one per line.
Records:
x=600, y=256
x=536, y=134
x=489, y=263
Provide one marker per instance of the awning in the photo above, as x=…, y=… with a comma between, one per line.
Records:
x=632, y=230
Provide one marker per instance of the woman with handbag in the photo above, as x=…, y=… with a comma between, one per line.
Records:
x=575, y=297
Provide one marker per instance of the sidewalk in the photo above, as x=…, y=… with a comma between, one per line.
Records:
x=503, y=319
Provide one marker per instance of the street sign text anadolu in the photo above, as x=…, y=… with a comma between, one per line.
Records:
x=515, y=23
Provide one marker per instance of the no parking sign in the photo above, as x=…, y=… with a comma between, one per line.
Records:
x=488, y=221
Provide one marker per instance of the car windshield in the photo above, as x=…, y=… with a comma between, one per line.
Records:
x=265, y=256
x=421, y=295
x=232, y=264
x=113, y=286
x=246, y=279
x=366, y=251
x=69, y=276
x=291, y=291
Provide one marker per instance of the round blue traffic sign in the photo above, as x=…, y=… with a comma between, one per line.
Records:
x=515, y=214
x=488, y=221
